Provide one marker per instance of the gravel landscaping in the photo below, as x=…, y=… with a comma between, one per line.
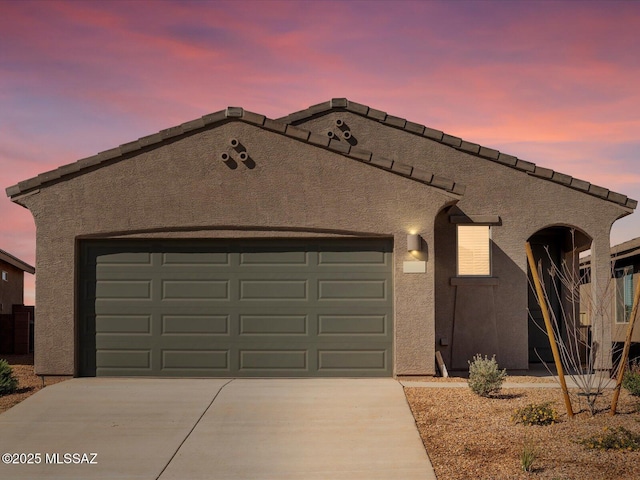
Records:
x=28, y=382
x=471, y=437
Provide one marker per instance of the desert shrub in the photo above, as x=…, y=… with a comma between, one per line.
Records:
x=528, y=455
x=485, y=377
x=535, y=414
x=631, y=379
x=613, y=439
x=8, y=383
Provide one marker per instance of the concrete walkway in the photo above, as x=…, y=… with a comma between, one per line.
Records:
x=552, y=382
x=157, y=429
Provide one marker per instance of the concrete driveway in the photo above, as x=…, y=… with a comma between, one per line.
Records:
x=214, y=429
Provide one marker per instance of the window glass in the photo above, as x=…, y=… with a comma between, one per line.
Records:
x=5, y=276
x=624, y=293
x=474, y=250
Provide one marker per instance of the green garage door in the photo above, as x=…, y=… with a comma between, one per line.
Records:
x=236, y=308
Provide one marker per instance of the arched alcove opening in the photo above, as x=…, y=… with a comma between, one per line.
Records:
x=556, y=250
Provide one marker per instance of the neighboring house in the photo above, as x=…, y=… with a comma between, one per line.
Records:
x=619, y=293
x=16, y=320
x=336, y=241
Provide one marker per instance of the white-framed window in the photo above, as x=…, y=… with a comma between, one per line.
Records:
x=624, y=293
x=474, y=250
x=5, y=276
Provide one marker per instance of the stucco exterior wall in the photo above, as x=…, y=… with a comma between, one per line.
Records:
x=12, y=290
x=184, y=189
x=525, y=205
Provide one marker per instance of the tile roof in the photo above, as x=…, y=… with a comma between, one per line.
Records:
x=629, y=248
x=223, y=116
x=343, y=104
x=16, y=262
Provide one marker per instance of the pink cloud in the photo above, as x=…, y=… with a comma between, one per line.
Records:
x=554, y=83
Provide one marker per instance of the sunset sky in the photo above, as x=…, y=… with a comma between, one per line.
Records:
x=554, y=83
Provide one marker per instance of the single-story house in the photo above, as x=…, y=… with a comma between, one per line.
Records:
x=16, y=320
x=336, y=241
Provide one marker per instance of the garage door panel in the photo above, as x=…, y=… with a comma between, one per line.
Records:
x=273, y=325
x=123, y=289
x=283, y=360
x=197, y=259
x=242, y=308
x=195, y=290
x=133, y=274
x=111, y=259
x=124, y=341
x=195, y=324
x=274, y=258
x=125, y=324
x=346, y=360
x=200, y=272
x=352, y=289
x=192, y=342
x=274, y=290
x=195, y=360
x=341, y=325
x=124, y=359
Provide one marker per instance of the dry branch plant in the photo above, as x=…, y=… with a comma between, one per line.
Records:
x=581, y=357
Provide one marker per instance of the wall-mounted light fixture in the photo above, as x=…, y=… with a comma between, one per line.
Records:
x=414, y=242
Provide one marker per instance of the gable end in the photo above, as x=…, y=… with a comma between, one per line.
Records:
x=343, y=104
x=215, y=119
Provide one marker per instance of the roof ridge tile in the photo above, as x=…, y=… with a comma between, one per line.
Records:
x=451, y=140
x=214, y=117
x=489, y=153
x=339, y=102
x=357, y=108
x=319, y=108
x=562, y=178
x=402, y=168
x=376, y=114
x=422, y=174
x=360, y=154
x=414, y=127
x=275, y=126
x=542, y=172
x=192, y=125
x=234, y=112
x=578, y=184
x=507, y=159
x=339, y=146
x=470, y=147
x=395, y=121
x=526, y=166
x=299, y=133
x=320, y=140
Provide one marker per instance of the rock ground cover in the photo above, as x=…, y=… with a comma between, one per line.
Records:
x=471, y=437
x=28, y=382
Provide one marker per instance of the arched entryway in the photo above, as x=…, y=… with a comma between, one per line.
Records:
x=556, y=250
